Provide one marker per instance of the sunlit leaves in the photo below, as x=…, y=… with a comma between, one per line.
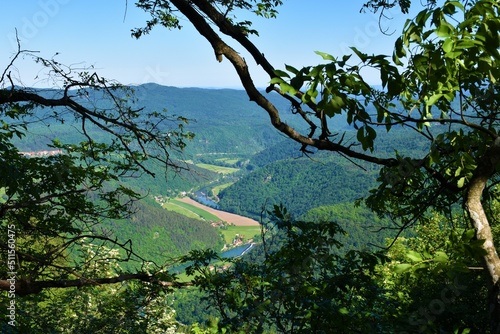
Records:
x=338, y=88
x=165, y=14
x=402, y=267
x=267, y=8
x=325, y=56
x=433, y=255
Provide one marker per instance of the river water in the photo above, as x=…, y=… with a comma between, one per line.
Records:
x=236, y=251
x=203, y=199
x=233, y=252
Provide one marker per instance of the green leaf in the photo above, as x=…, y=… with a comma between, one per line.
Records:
x=401, y=268
x=469, y=234
x=343, y=310
x=421, y=18
x=360, y=136
x=286, y=88
x=276, y=80
x=281, y=73
x=371, y=133
x=399, y=48
x=360, y=54
x=444, y=30
x=467, y=43
x=440, y=257
x=325, y=56
x=461, y=182
x=447, y=45
x=414, y=256
x=291, y=69
x=453, y=54
x=456, y=4
x=433, y=99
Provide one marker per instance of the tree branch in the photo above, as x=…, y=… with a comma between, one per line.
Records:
x=26, y=287
x=239, y=64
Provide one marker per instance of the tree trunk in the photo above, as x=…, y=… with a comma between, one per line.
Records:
x=487, y=166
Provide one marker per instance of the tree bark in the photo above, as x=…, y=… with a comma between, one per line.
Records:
x=487, y=166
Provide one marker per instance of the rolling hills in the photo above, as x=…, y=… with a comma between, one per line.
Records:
x=236, y=157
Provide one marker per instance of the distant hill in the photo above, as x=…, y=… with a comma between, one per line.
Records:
x=223, y=120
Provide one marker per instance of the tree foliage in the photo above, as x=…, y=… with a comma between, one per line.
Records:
x=302, y=282
x=434, y=279
x=55, y=205
x=447, y=53
x=124, y=307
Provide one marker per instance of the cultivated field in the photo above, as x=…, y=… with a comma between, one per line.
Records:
x=189, y=210
x=225, y=216
x=218, y=169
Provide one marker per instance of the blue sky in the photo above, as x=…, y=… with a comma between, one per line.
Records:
x=97, y=33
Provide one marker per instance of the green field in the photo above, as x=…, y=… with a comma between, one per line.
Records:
x=247, y=231
x=217, y=189
x=200, y=213
x=173, y=206
x=230, y=161
x=218, y=169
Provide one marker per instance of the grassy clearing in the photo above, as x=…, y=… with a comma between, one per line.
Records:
x=216, y=190
x=230, y=161
x=218, y=169
x=171, y=206
x=200, y=212
x=247, y=231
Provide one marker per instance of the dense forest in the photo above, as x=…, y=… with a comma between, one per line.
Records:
x=291, y=183
x=162, y=235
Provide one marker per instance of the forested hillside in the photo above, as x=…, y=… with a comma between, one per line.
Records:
x=283, y=174
x=292, y=183
x=228, y=131
x=161, y=235
x=365, y=230
x=223, y=120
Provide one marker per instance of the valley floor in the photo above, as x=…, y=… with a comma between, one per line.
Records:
x=230, y=218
